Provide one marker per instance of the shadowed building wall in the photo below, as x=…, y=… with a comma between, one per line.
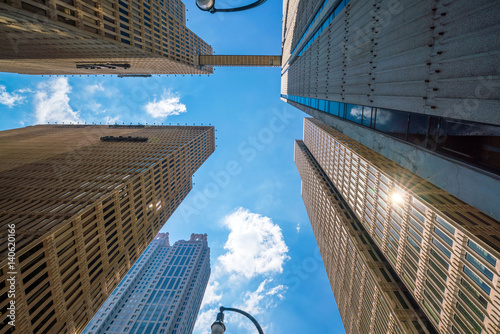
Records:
x=98, y=37
x=443, y=250
x=84, y=209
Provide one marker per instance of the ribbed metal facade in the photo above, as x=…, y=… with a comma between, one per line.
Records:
x=443, y=250
x=84, y=210
x=416, y=81
x=432, y=57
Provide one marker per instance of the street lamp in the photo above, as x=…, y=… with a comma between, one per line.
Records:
x=209, y=6
x=218, y=326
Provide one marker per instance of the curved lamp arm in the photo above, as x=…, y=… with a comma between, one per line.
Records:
x=210, y=6
x=222, y=309
x=218, y=325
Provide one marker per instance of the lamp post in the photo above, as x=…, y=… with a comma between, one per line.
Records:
x=209, y=6
x=218, y=326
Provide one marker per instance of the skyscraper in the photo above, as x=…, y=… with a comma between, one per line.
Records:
x=444, y=251
x=416, y=81
x=161, y=293
x=98, y=37
x=86, y=201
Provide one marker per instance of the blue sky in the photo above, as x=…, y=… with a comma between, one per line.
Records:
x=246, y=196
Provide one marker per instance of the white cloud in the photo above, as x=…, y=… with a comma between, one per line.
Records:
x=95, y=107
x=91, y=89
x=255, y=245
x=204, y=320
x=262, y=298
x=298, y=227
x=52, y=102
x=211, y=296
x=25, y=90
x=111, y=120
x=168, y=105
x=10, y=99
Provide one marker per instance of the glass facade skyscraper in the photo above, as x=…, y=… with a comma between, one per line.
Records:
x=161, y=293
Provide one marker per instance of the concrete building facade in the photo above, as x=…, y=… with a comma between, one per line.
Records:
x=85, y=201
x=443, y=250
x=417, y=81
x=98, y=37
x=161, y=293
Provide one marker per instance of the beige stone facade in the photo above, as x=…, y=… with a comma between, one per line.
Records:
x=240, y=60
x=84, y=209
x=369, y=296
x=444, y=251
x=98, y=37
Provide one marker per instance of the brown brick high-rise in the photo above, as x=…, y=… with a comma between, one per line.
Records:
x=84, y=209
x=98, y=37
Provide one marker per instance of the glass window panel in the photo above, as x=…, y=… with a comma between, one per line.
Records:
x=469, y=318
x=471, y=305
x=417, y=129
x=415, y=234
x=479, y=266
x=414, y=244
x=416, y=203
x=417, y=214
x=416, y=225
x=443, y=236
x=438, y=257
x=392, y=122
x=481, y=252
x=354, y=113
x=438, y=270
x=367, y=116
x=333, y=108
x=444, y=224
x=441, y=247
x=477, y=280
x=470, y=141
x=475, y=294
x=322, y=105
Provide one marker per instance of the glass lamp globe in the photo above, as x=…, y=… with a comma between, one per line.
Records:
x=205, y=4
x=218, y=328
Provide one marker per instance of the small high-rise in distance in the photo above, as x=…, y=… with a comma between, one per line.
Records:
x=161, y=293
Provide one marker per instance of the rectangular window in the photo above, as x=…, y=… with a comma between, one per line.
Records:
x=443, y=236
x=477, y=280
x=481, y=252
x=444, y=224
x=479, y=266
x=441, y=247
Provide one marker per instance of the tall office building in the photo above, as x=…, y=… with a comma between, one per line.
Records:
x=416, y=81
x=161, y=293
x=98, y=37
x=376, y=223
x=86, y=201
